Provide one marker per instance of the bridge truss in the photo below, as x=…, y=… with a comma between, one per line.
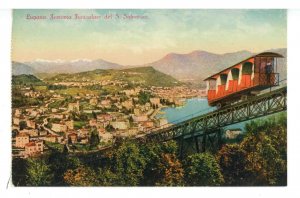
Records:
x=207, y=129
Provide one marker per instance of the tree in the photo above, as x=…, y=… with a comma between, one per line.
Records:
x=264, y=161
x=162, y=166
x=106, y=177
x=81, y=176
x=266, y=148
x=38, y=172
x=202, y=170
x=14, y=133
x=23, y=125
x=94, y=140
x=144, y=97
x=171, y=171
x=94, y=115
x=109, y=128
x=19, y=166
x=59, y=163
x=128, y=164
x=232, y=161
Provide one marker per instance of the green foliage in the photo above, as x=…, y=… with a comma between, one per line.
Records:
x=202, y=170
x=56, y=87
x=143, y=76
x=144, y=97
x=26, y=80
x=264, y=160
x=57, y=104
x=162, y=166
x=81, y=176
x=232, y=161
x=260, y=159
x=109, y=128
x=22, y=125
x=18, y=100
x=106, y=177
x=38, y=172
x=59, y=163
x=19, y=167
x=94, y=140
x=128, y=164
x=171, y=171
x=79, y=124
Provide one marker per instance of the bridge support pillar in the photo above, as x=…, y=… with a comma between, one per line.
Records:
x=204, y=142
x=219, y=136
x=197, y=144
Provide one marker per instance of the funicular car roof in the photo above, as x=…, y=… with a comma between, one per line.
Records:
x=263, y=54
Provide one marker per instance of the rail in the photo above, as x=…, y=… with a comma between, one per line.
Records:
x=262, y=105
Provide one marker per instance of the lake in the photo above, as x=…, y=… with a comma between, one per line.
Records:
x=193, y=107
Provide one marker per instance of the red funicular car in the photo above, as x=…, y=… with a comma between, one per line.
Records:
x=243, y=79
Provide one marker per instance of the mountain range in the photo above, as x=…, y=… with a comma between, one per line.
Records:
x=198, y=65
x=192, y=67
x=74, y=66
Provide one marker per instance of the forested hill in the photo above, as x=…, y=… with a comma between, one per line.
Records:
x=144, y=76
x=25, y=79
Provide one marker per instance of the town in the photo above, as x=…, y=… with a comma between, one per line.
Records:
x=87, y=121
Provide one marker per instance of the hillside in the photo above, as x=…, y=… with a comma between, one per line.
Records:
x=21, y=68
x=144, y=76
x=25, y=79
x=197, y=65
x=192, y=67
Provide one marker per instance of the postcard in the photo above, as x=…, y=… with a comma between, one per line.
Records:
x=145, y=97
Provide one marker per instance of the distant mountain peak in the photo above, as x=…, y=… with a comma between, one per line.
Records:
x=49, y=61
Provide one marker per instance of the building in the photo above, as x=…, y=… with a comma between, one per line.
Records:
x=83, y=133
x=136, y=111
x=232, y=134
x=162, y=122
x=133, y=131
x=93, y=101
x=70, y=124
x=104, y=117
x=73, y=106
x=59, y=127
x=148, y=124
x=16, y=121
x=30, y=124
x=179, y=101
x=120, y=125
x=129, y=92
x=106, y=137
x=155, y=101
x=105, y=103
x=51, y=138
x=18, y=112
x=72, y=138
x=57, y=116
x=22, y=139
x=127, y=104
x=147, y=106
x=84, y=140
x=140, y=118
x=30, y=132
x=93, y=122
x=34, y=148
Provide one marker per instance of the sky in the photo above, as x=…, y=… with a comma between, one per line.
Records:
x=143, y=40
